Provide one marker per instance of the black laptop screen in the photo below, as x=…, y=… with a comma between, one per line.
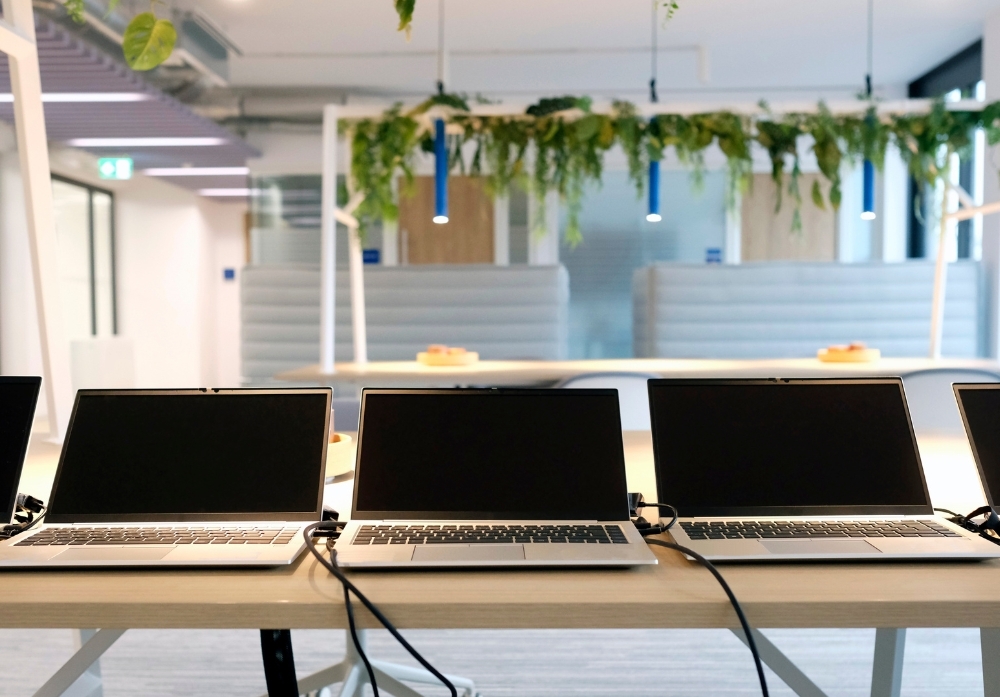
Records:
x=981, y=408
x=17, y=410
x=194, y=456
x=785, y=448
x=484, y=454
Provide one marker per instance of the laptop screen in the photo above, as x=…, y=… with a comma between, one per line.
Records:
x=785, y=447
x=191, y=455
x=18, y=396
x=490, y=455
x=980, y=407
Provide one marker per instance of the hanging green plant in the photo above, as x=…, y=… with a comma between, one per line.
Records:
x=568, y=154
x=827, y=148
x=630, y=132
x=559, y=145
x=404, y=9
x=380, y=150
x=148, y=40
x=780, y=139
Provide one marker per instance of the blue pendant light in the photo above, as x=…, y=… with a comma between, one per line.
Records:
x=653, y=215
x=653, y=209
x=868, y=209
x=868, y=192
x=440, y=174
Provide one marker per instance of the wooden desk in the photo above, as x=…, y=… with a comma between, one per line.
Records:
x=500, y=373
x=676, y=593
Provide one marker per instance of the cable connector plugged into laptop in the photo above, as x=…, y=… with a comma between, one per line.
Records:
x=27, y=513
x=636, y=502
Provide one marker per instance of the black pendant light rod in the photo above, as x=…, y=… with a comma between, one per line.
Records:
x=652, y=58
x=871, y=44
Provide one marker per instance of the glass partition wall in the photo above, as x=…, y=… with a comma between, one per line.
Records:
x=85, y=235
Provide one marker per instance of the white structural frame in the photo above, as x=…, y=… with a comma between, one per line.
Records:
x=967, y=209
x=331, y=214
x=17, y=40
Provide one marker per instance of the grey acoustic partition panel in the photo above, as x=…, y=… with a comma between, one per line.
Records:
x=501, y=312
x=791, y=309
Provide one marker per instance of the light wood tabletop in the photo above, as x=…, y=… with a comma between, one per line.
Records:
x=675, y=593
x=527, y=372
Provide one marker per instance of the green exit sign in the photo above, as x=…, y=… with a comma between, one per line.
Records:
x=115, y=167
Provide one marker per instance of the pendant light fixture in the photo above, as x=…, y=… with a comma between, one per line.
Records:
x=440, y=173
x=653, y=208
x=440, y=144
x=868, y=195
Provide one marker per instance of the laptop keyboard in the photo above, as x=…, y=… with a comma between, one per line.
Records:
x=159, y=536
x=740, y=530
x=488, y=534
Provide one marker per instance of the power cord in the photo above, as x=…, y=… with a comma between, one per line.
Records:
x=28, y=512
x=645, y=528
x=331, y=530
x=988, y=529
x=732, y=599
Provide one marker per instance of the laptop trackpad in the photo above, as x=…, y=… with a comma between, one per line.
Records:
x=468, y=552
x=819, y=547
x=113, y=554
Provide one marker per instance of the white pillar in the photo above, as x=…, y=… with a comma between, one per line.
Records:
x=543, y=243
x=33, y=150
x=390, y=243
x=733, y=253
x=501, y=231
x=991, y=192
x=892, y=206
x=357, y=271
x=328, y=243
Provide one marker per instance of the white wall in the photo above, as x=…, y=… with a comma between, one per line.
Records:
x=172, y=246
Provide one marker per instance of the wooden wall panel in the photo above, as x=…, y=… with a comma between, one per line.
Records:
x=467, y=237
x=767, y=235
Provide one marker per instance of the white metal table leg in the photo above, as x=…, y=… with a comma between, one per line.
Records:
x=78, y=665
x=782, y=666
x=989, y=641
x=354, y=675
x=353, y=682
x=887, y=666
x=89, y=684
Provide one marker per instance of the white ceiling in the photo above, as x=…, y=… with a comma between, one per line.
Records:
x=760, y=48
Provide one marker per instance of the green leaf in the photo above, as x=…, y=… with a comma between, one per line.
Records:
x=74, y=8
x=112, y=5
x=817, y=195
x=404, y=8
x=148, y=41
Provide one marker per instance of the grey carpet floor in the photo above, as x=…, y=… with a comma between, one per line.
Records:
x=525, y=663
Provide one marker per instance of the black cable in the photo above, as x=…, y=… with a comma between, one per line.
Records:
x=332, y=567
x=357, y=641
x=732, y=599
x=673, y=512
x=951, y=513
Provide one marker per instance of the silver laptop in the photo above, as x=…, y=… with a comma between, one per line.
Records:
x=979, y=405
x=214, y=477
x=18, y=396
x=797, y=469
x=490, y=477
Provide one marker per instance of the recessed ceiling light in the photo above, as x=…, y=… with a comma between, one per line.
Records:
x=143, y=142
x=7, y=97
x=229, y=192
x=196, y=171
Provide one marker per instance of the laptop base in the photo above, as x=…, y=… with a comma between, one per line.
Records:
x=965, y=546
